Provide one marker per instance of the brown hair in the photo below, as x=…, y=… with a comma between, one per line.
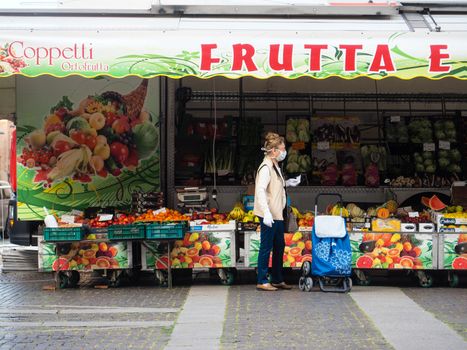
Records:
x=272, y=140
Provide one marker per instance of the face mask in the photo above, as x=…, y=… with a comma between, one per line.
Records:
x=281, y=156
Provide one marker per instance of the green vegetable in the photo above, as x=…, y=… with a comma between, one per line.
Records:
x=427, y=155
x=64, y=102
x=430, y=169
x=427, y=162
x=449, y=125
x=292, y=168
x=443, y=163
x=418, y=159
x=291, y=136
x=455, y=155
x=78, y=123
x=419, y=168
x=454, y=168
x=146, y=139
x=443, y=153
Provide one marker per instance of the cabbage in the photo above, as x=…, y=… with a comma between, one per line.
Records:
x=418, y=159
x=304, y=136
x=290, y=128
x=428, y=162
x=440, y=135
x=305, y=162
x=303, y=124
x=77, y=123
x=443, y=153
x=293, y=158
x=430, y=169
x=454, y=168
x=427, y=155
x=292, y=151
x=419, y=168
x=443, y=163
x=455, y=155
x=450, y=133
x=292, y=123
x=146, y=138
x=449, y=124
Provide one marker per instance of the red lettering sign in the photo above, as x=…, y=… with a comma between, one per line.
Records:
x=350, y=56
x=287, y=54
x=315, y=56
x=206, y=57
x=243, y=53
x=436, y=57
x=382, y=60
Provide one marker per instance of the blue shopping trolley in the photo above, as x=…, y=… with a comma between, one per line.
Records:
x=331, y=264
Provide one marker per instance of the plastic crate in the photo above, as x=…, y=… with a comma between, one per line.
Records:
x=58, y=234
x=166, y=230
x=123, y=232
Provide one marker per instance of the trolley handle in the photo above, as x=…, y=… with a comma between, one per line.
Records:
x=327, y=195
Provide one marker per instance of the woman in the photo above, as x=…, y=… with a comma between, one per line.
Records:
x=270, y=202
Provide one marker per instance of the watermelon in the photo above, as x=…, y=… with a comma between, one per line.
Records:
x=436, y=204
x=426, y=201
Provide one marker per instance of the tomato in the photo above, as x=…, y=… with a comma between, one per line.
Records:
x=121, y=125
x=132, y=159
x=119, y=151
x=78, y=137
x=61, y=112
x=110, y=118
x=91, y=141
x=61, y=147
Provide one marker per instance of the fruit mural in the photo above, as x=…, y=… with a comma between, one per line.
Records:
x=82, y=256
x=391, y=251
x=297, y=249
x=196, y=250
x=84, y=143
x=455, y=251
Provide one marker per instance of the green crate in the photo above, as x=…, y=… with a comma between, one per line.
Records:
x=57, y=234
x=122, y=232
x=166, y=231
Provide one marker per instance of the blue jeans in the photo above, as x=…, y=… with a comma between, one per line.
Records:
x=271, y=238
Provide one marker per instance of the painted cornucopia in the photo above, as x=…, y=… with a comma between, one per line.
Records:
x=100, y=136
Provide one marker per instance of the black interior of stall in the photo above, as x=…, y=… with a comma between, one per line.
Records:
x=415, y=140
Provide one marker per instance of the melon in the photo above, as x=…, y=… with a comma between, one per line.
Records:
x=436, y=204
x=364, y=262
x=60, y=263
x=162, y=262
x=459, y=263
x=392, y=206
x=426, y=201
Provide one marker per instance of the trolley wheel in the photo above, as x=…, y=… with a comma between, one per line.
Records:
x=63, y=281
x=301, y=284
x=349, y=283
x=306, y=268
x=73, y=279
x=453, y=280
x=308, y=284
x=364, y=282
x=229, y=278
x=426, y=281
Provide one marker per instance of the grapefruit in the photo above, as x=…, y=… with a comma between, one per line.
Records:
x=436, y=204
x=295, y=251
x=103, y=263
x=406, y=263
x=393, y=253
x=192, y=252
x=206, y=261
x=459, y=263
x=364, y=262
x=60, y=263
x=306, y=257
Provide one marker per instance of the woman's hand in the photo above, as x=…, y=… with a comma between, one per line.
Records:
x=294, y=181
x=267, y=220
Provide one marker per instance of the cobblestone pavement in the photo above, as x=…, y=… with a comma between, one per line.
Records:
x=296, y=320
x=448, y=305
x=143, y=316
x=23, y=302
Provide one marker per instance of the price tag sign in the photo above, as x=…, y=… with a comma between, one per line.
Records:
x=68, y=219
x=395, y=118
x=444, y=145
x=413, y=214
x=323, y=145
x=105, y=217
x=158, y=211
x=429, y=147
x=76, y=212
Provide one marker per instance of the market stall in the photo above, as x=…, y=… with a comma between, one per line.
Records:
x=376, y=116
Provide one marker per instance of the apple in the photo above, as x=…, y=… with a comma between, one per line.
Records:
x=102, y=150
x=97, y=120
